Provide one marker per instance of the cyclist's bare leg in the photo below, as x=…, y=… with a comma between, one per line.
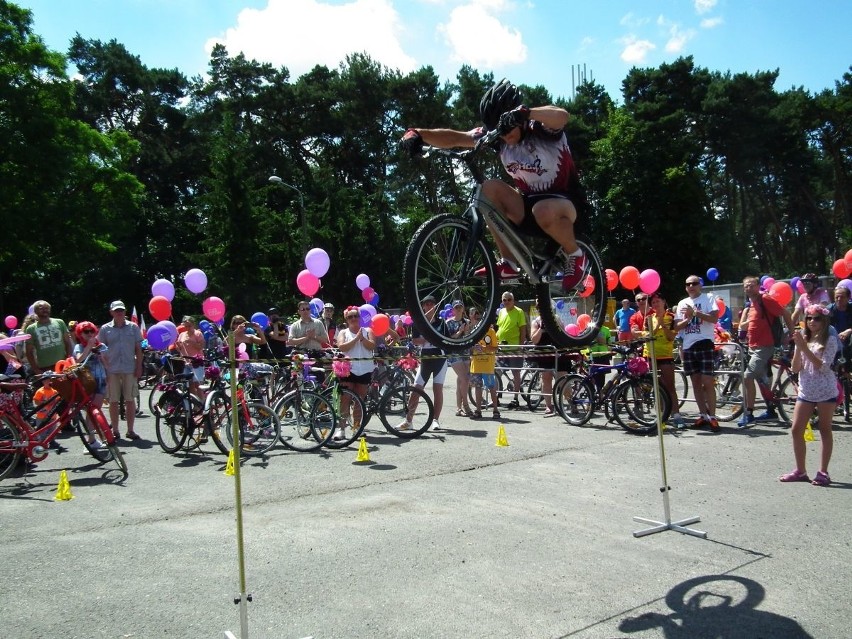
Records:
x=556, y=217
x=509, y=202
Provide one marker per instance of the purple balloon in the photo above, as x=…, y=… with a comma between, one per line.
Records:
x=362, y=281
x=366, y=318
x=172, y=329
x=195, y=280
x=159, y=337
x=317, y=262
x=163, y=288
x=844, y=283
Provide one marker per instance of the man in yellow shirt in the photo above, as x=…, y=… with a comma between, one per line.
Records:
x=512, y=330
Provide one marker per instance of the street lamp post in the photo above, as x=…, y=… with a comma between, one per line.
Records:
x=274, y=179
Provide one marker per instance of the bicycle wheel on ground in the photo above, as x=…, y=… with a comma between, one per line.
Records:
x=350, y=411
x=441, y=262
x=574, y=398
x=633, y=405
x=307, y=420
x=681, y=387
x=10, y=454
x=555, y=305
x=89, y=436
x=786, y=399
x=218, y=419
x=259, y=428
x=172, y=421
x=531, y=389
x=406, y=411
x=729, y=395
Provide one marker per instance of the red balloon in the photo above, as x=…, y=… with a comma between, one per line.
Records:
x=840, y=269
x=381, y=324
x=611, y=279
x=583, y=321
x=720, y=303
x=589, y=284
x=629, y=277
x=782, y=293
x=368, y=293
x=160, y=308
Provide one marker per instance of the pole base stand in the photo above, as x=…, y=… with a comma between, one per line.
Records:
x=677, y=526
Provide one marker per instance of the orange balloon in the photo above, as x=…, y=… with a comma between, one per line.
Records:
x=840, y=268
x=583, y=321
x=721, y=304
x=629, y=277
x=782, y=293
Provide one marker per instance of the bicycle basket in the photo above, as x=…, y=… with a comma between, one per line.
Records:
x=65, y=385
x=637, y=366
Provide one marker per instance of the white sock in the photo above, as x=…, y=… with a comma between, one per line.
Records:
x=578, y=252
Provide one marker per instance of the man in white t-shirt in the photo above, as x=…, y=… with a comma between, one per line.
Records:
x=696, y=320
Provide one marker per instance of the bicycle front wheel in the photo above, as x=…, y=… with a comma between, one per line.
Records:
x=350, y=412
x=172, y=421
x=729, y=395
x=10, y=442
x=574, y=398
x=634, y=408
x=406, y=411
x=89, y=436
x=441, y=262
x=786, y=399
x=561, y=311
x=307, y=420
x=259, y=428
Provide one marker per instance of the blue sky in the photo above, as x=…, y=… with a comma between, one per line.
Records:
x=529, y=41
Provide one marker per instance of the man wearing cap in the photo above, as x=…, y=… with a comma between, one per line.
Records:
x=276, y=335
x=124, y=368
x=50, y=339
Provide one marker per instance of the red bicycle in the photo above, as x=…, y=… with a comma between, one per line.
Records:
x=30, y=433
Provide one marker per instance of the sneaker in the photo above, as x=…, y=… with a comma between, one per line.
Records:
x=140, y=412
x=339, y=434
x=767, y=416
x=795, y=475
x=435, y=425
x=514, y=405
x=96, y=444
x=820, y=479
x=679, y=422
x=572, y=275
x=404, y=425
x=504, y=270
x=745, y=421
x=714, y=424
x=698, y=423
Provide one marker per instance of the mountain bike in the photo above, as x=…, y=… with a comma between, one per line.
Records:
x=447, y=250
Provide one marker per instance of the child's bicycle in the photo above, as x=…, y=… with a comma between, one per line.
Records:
x=22, y=435
x=447, y=250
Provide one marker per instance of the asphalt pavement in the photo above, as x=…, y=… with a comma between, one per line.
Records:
x=448, y=535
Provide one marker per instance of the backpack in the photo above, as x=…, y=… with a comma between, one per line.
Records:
x=775, y=325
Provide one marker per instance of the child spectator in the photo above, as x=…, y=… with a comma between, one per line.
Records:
x=482, y=363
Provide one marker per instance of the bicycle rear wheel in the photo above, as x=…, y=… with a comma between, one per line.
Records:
x=307, y=420
x=574, y=398
x=555, y=305
x=786, y=399
x=10, y=440
x=218, y=419
x=681, y=387
x=397, y=416
x=633, y=405
x=259, y=428
x=729, y=395
x=350, y=411
x=441, y=262
x=172, y=421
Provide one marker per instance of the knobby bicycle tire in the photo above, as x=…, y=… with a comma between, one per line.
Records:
x=441, y=262
x=555, y=306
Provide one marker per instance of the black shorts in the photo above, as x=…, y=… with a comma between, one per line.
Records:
x=357, y=379
x=528, y=225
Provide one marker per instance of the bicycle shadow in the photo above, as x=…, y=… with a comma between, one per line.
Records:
x=715, y=607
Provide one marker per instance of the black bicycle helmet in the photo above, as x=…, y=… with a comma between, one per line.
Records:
x=809, y=277
x=503, y=96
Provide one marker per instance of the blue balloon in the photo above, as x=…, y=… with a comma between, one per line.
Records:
x=261, y=320
x=560, y=304
x=712, y=274
x=375, y=300
x=204, y=325
x=249, y=331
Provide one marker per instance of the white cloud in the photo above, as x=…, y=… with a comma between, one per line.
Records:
x=632, y=22
x=478, y=38
x=678, y=37
x=301, y=34
x=704, y=6
x=635, y=51
x=711, y=23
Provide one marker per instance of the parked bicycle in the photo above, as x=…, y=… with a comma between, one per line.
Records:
x=627, y=397
x=446, y=251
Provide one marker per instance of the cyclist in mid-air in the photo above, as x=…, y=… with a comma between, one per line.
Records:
x=534, y=151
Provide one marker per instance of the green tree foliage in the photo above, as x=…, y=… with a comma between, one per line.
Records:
x=127, y=174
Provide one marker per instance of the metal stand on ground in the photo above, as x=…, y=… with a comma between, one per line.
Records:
x=243, y=598
x=668, y=524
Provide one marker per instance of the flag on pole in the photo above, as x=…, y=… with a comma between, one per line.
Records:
x=133, y=316
x=143, y=328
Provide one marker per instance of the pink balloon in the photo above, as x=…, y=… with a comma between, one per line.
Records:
x=214, y=309
x=11, y=322
x=307, y=282
x=768, y=282
x=649, y=281
x=317, y=262
x=800, y=288
x=362, y=281
x=195, y=280
x=368, y=293
x=572, y=329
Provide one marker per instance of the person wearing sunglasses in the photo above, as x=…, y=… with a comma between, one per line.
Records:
x=696, y=318
x=306, y=333
x=812, y=360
